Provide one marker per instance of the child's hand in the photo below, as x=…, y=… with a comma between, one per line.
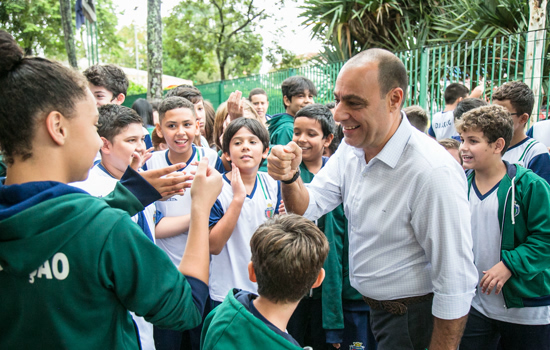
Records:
x=337, y=345
x=139, y=160
x=496, y=276
x=282, y=209
x=206, y=186
x=283, y=162
x=167, y=185
x=239, y=191
x=235, y=105
x=180, y=175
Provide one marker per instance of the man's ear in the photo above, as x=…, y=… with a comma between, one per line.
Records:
x=55, y=124
x=119, y=99
x=328, y=140
x=286, y=101
x=395, y=99
x=106, y=146
x=251, y=272
x=320, y=278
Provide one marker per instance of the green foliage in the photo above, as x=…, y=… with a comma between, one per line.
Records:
x=348, y=27
x=136, y=89
x=215, y=39
x=281, y=58
x=37, y=27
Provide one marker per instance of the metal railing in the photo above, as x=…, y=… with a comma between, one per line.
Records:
x=490, y=62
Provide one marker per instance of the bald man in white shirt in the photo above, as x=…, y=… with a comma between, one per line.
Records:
x=405, y=199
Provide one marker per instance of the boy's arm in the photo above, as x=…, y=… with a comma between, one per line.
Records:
x=222, y=230
x=170, y=226
x=204, y=191
x=531, y=257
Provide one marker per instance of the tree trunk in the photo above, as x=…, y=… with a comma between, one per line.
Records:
x=154, y=49
x=66, y=19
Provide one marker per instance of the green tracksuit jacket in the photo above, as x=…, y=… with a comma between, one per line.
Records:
x=231, y=326
x=524, y=217
x=281, y=129
x=71, y=267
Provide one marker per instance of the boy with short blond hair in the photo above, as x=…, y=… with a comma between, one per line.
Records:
x=510, y=208
x=288, y=253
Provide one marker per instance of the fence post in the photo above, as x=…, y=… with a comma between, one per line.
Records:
x=424, y=58
x=535, y=51
x=220, y=92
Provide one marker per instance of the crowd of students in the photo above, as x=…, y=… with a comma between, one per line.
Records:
x=159, y=227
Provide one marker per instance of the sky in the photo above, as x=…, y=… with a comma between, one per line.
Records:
x=295, y=37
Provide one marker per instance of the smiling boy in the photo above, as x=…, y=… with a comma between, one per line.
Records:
x=298, y=92
x=511, y=238
x=178, y=127
x=108, y=84
x=194, y=95
x=258, y=98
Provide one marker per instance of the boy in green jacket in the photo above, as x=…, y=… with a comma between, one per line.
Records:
x=71, y=266
x=298, y=92
x=510, y=209
x=288, y=253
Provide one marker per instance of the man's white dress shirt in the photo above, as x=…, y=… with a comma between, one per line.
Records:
x=409, y=220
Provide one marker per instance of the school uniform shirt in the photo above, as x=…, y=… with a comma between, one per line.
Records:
x=530, y=154
x=443, y=125
x=229, y=269
x=487, y=250
x=179, y=205
x=540, y=131
x=99, y=184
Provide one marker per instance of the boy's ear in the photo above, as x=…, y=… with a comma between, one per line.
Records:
x=499, y=145
x=328, y=140
x=158, y=131
x=251, y=272
x=266, y=152
x=320, y=278
x=524, y=118
x=55, y=125
x=106, y=146
x=227, y=157
x=119, y=99
x=286, y=101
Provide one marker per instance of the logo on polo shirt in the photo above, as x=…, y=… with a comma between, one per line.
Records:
x=270, y=211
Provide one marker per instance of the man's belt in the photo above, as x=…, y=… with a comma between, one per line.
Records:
x=397, y=306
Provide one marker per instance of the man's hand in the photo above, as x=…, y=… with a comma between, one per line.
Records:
x=167, y=185
x=496, y=276
x=235, y=105
x=206, y=186
x=283, y=162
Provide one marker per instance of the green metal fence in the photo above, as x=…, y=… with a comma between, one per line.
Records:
x=431, y=69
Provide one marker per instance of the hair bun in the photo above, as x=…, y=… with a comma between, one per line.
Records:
x=10, y=53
